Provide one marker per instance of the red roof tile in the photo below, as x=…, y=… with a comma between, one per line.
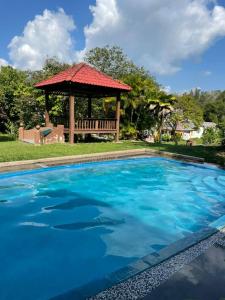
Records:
x=84, y=74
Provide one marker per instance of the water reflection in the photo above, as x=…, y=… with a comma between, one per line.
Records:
x=95, y=223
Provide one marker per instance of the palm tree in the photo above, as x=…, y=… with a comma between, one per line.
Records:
x=161, y=107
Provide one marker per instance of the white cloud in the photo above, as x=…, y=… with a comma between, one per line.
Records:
x=157, y=34
x=47, y=35
x=3, y=62
x=167, y=89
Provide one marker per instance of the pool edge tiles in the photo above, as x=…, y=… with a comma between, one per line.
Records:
x=80, y=164
x=56, y=161
x=96, y=288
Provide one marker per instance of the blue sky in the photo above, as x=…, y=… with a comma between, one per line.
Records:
x=180, y=60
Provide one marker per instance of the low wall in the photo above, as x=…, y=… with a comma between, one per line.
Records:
x=35, y=135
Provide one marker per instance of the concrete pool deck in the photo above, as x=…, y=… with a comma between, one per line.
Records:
x=203, y=278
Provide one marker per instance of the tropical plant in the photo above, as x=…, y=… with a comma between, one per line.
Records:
x=166, y=137
x=177, y=137
x=211, y=136
x=128, y=131
x=161, y=107
x=187, y=109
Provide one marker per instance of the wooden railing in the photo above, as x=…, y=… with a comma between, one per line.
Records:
x=97, y=125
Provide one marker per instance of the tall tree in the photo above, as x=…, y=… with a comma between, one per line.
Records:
x=161, y=107
x=189, y=109
x=14, y=89
x=110, y=60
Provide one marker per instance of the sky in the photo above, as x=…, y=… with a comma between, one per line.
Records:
x=180, y=42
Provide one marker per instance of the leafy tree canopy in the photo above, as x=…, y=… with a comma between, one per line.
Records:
x=188, y=109
x=112, y=61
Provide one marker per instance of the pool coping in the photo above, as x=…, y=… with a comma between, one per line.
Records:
x=73, y=159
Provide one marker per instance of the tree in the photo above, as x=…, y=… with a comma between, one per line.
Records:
x=57, y=103
x=215, y=111
x=135, y=114
x=14, y=89
x=110, y=60
x=161, y=107
x=211, y=136
x=213, y=106
x=189, y=109
x=20, y=101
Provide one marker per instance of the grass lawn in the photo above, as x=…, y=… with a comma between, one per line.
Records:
x=14, y=150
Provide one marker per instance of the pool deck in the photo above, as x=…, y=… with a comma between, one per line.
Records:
x=53, y=161
x=203, y=278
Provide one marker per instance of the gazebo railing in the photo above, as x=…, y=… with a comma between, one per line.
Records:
x=83, y=125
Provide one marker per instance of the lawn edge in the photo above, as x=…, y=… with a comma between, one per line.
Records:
x=52, y=161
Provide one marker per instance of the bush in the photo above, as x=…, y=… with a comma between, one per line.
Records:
x=210, y=136
x=177, y=137
x=166, y=137
x=12, y=129
x=128, y=131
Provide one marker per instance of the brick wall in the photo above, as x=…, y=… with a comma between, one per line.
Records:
x=35, y=135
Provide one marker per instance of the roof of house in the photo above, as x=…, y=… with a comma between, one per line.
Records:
x=209, y=124
x=185, y=126
x=84, y=74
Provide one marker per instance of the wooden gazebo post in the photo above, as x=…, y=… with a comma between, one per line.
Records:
x=47, y=119
x=89, y=107
x=117, y=118
x=71, y=119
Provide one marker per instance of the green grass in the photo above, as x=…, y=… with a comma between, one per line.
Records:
x=14, y=150
x=211, y=154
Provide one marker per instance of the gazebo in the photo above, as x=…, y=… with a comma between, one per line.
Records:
x=84, y=81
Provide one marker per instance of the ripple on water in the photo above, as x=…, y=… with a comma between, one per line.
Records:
x=33, y=224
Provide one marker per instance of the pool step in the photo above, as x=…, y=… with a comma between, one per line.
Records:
x=208, y=189
x=212, y=183
x=221, y=181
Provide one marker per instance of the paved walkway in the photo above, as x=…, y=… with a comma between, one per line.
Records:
x=203, y=279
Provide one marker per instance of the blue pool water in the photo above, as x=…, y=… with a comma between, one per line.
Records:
x=63, y=227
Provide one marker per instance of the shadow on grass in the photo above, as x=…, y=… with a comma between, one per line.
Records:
x=6, y=138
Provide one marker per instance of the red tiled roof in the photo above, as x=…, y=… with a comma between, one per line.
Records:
x=84, y=74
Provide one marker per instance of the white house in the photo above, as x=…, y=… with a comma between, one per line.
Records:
x=189, y=130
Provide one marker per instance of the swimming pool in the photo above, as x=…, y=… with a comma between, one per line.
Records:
x=63, y=227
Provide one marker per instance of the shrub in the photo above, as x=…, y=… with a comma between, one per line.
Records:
x=210, y=136
x=177, y=137
x=166, y=137
x=128, y=131
x=12, y=129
